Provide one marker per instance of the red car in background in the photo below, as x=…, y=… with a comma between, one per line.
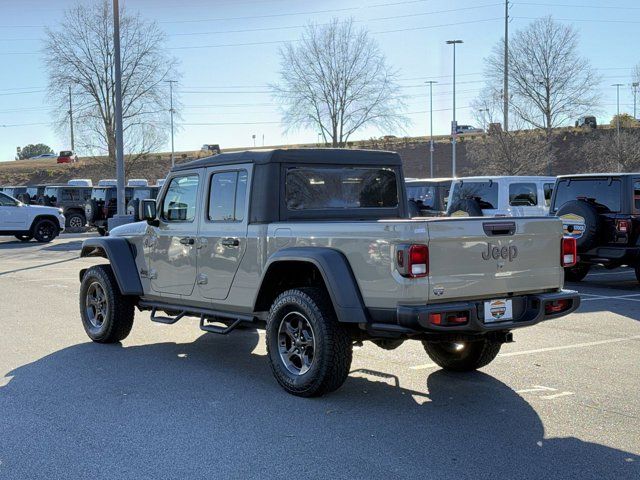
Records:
x=67, y=156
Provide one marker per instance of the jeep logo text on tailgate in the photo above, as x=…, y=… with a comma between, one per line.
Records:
x=496, y=252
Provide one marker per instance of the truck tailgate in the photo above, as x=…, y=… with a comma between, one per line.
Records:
x=493, y=257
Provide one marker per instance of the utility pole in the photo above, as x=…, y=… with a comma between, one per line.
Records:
x=431, y=82
x=118, y=109
x=454, y=124
x=635, y=85
x=505, y=88
x=618, y=85
x=171, y=82
x=73, y=147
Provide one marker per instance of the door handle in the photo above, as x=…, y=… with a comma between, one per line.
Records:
x=187, y=241
x=230, y=242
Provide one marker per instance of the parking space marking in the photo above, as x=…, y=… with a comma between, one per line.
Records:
x=547, y=349
x=537, y=388
x=557, y=395
x=618, y=297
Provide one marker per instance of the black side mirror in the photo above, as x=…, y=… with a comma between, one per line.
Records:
x=148, y=211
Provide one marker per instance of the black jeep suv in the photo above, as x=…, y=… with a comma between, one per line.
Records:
x=602, y=212
x=103, y=204
x=71, y=199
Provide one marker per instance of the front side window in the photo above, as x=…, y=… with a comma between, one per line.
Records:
x=97, y=194
x=485, y=193
x=179, y=204
x=425, y=195
x=227, y=196
x=314, y=188
x=604, y=192
x=523, y=195
x=636, y=194
x=7, y=201
x=51, y=192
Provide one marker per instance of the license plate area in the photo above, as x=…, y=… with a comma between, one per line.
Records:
x=498, y=310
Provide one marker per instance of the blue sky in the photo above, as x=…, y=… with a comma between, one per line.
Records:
x=224, y=83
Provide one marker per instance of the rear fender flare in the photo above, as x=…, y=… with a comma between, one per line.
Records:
x=122, y=259
x=337, y=275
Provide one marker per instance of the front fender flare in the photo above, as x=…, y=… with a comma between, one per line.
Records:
x=337, y=275
x=121, y=257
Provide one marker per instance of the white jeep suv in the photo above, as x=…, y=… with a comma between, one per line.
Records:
x=29, y=221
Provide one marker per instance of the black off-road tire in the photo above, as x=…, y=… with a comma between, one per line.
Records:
x=76, y=221
x=472, y=356
x=470, y=206
x=118, y=319
x=24, y=238
x=577, y=272
x=44, y=230
x=332, y=352
x=592, y=224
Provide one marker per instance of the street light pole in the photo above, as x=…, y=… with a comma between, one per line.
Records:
x=73, y=147
x=431, y=82
x=618, y=85
x=118, y=110
x=454, y=125
x=171, y=82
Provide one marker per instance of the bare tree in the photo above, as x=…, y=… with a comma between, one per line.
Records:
x=605, y=152
x=337, y=80
x=79, y=54
x=549, y=82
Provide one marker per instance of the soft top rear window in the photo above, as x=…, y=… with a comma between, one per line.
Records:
x=485, y=193
x=316, y=188
x=606, y=193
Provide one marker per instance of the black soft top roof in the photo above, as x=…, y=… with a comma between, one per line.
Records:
x=330, y=156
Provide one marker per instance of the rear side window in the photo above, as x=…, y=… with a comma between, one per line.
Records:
x=316, y=188
x=227, y=196
x=603, y=191
x=485, y=193
x=179, y=203
x=523, y=194
x=636, y=194
x=548, y=191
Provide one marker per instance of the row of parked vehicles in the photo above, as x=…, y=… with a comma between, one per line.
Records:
x=601, y=211
x=79, y=202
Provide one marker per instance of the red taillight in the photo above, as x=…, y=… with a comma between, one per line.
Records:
x=448, y=318
x=569, y=256
x=556, y=306
x=418, y=261
x=623, y=226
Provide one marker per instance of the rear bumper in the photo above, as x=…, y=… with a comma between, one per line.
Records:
x=611, y=255
x=527, y=310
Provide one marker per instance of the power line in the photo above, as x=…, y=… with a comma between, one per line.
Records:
x=581, y=20
x=602, y=7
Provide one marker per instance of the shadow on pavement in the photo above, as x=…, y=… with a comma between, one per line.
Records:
x=212, y=409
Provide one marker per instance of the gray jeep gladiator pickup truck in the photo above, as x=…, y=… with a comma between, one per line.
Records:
x=317, y=247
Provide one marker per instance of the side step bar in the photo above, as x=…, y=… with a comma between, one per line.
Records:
x=203, y=313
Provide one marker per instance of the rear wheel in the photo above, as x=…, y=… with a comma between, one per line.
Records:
x=45, y=230
x=577, y=272
x=107, y=315
x=463, y=356
x=76, y=221
x=309, y=350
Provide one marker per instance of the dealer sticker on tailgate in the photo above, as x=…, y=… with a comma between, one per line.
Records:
x=497, y=311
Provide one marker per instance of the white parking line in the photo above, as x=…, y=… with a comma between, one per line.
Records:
x=557, y=395
x=618, y=297
x=611, y=273
x=547, y=349
x=537, y=388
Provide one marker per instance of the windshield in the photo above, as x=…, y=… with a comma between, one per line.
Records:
x=424, y=195
x=51, y=191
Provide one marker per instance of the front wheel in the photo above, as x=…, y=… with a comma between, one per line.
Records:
x=462, y=356
x=309, y=351
x=45, y=230
x=107, y=315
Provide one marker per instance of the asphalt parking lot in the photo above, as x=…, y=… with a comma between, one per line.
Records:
x=174, y=402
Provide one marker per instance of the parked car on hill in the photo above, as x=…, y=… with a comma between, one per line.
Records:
x=29, y=221
x=67, y=156
x=587, y=121
x=213, y=148
x=44, y=156
x=462, y=129
x=428, y=196
x=602, y=212
x=284, y=240
x=500, y=196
